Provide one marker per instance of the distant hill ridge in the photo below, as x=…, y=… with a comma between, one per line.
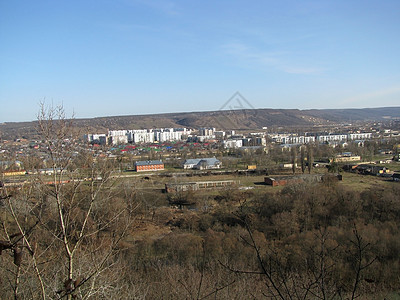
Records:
x=222, y=119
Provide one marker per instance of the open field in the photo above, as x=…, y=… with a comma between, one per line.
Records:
x=359, y=182
x=353, y=181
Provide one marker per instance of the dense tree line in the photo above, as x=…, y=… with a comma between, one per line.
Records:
x=307, y=241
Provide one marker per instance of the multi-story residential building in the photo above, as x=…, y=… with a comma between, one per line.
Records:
x=233, y=143
x=168, y=134
x=331, y=138
x=279, y=137
x=205, y=138
x=142, y=137
x=302, y=139
x=259, y=141
x=220, y=135
x=138, y=136
x=118, y=136
x=254, y=141
x=119, y=139
x=102, y=139
x=113, y=133
x=294, y=139
x=207, y=131
x=360, y=136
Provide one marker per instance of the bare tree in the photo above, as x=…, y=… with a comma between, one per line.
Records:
x=302, y=159
x=17, y=227
x=69, y=219
x=293, y=152
x=78, y=195
x=310, y=158
x=360, y=260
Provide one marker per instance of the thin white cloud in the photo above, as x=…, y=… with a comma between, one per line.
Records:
x=166, y=7
x=273, y=59
x=300, y=70
x=129, y=28
x=376, y=95
x=244, y=53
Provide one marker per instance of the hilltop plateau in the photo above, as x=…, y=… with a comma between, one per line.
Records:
x=222, y=119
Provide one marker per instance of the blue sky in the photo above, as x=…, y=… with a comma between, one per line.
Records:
x=123, y=57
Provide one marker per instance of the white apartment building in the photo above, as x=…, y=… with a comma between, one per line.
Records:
x=148, y=135
x=119, y=139
x=203, y=138
x=360, y=136
x=113, y=133
x=166, y=136
x=303, y=139
x=331, y=138
x=143, y=137
x=233, y=144
x=94, y=137
x=278, y=137
x=293, y=139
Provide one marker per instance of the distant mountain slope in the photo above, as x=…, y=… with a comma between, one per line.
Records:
x=354, y=114
x=244, y=119
x=223, y=119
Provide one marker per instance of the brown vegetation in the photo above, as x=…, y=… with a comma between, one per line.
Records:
x=90, y=235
